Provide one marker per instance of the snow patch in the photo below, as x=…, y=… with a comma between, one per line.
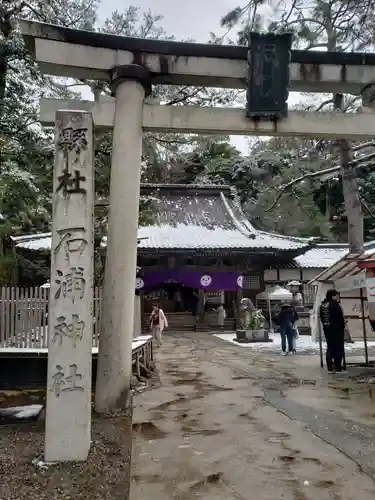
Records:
x=304, y=344
x=195, y=236
x=21, y=412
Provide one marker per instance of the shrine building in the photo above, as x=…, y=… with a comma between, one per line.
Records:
x=201, y=241
x=200, y=251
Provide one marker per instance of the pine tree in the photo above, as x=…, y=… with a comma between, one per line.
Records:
x=337, y=25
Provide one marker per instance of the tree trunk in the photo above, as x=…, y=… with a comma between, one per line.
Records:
x=328, y=203
x=350, y=189
x=349, y=180
x=352, y=201
x=3, y=69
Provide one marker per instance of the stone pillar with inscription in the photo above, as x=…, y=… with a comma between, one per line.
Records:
x=130, y=84
x=68, y=414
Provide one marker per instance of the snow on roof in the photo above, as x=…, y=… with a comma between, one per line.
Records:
x=40, y=241
x=191, y=217
x=192, y=237
x=346, y=266
x=189, y=237
x=322, y=256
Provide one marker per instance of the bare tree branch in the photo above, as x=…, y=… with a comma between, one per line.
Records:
x=364, y=145
x=311, y=175
x=367, y=208
x=321, y=106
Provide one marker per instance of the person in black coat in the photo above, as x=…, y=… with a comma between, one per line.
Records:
x=333, y=321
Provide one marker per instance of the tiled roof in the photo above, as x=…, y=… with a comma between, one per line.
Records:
x=40, y=241
x=193, y=237
x=325, y=255
x=322, y=256
x=43, y=241
x=208, y=218
x=347, y=265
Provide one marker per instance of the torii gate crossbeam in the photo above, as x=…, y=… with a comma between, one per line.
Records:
x=221, y=121
x=81, y=54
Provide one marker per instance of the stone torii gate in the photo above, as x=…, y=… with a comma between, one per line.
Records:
x=132, y=66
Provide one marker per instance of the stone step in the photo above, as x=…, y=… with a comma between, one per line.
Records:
x=186, y=322
x=188, y=319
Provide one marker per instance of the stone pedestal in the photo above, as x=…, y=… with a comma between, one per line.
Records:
x=303, y=323
x=247, y=336
x=70, y=325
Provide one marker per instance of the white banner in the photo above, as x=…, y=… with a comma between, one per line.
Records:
x=351, y=282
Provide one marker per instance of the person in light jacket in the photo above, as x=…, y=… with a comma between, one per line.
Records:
x=221, y=315
x=295, y=327
x=158, y=322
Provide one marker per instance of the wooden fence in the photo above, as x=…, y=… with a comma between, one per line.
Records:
x=24, y=317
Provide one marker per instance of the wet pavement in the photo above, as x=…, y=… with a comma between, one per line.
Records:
x=229, y=423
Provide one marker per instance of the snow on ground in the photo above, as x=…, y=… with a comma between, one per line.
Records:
x=27, y=412
x=304, y=344
x=136, y=342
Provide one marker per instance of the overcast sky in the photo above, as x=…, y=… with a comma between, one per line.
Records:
x=182, y=18
x=193, y=19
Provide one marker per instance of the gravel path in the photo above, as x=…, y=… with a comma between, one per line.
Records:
x=226, y=424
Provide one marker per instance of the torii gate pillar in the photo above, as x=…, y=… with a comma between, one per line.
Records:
x=130, y=85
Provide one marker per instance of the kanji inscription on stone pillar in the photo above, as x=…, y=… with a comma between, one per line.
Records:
x=70, y=324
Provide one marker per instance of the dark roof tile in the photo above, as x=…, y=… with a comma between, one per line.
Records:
x=196, y=217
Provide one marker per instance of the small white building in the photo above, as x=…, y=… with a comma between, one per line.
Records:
x=350, y=281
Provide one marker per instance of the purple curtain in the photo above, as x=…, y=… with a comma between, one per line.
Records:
x=227, y=281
